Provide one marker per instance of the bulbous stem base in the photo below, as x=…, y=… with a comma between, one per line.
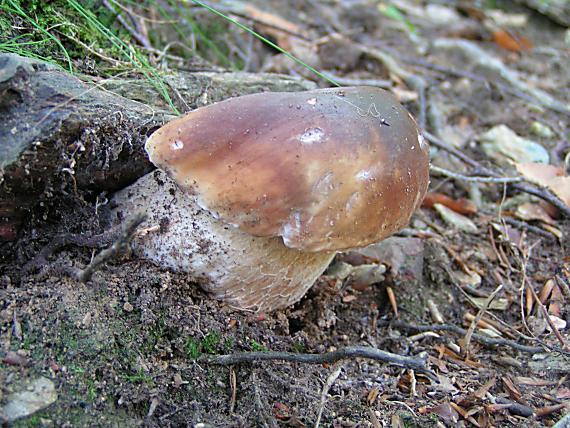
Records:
x=248, y=272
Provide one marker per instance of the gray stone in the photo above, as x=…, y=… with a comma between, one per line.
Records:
x=36, y=395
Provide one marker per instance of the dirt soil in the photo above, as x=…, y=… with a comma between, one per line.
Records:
x=125, y=348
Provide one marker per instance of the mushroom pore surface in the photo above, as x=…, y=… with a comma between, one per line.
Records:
x=326, y=170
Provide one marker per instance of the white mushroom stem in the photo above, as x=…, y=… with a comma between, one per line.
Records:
x=248, y=272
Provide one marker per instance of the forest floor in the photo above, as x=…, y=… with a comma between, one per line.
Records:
x=477, y=285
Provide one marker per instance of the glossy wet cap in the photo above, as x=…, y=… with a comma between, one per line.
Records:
x=328, y=169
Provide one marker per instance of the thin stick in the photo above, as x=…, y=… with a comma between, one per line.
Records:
x=349, y=352
x=450, y=149
x=537, y=230
x=108, y=253
x=451, y=174
x=473, y=325
x=136, y=34
x=331, y=379
x=119, y=236
x=233, y=385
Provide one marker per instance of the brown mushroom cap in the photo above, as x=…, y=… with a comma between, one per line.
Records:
x=327, y=169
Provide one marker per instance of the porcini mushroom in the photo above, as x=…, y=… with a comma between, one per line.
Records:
x=256, y=194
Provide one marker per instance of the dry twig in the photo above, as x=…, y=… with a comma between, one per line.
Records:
x=473, y=325
x=119, y=236
x=136, y=33
x=349, y=352
x=523, y=225
x=337, y=368
x=451, y=174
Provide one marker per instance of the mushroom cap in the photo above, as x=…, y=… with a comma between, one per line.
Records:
x=326, y=170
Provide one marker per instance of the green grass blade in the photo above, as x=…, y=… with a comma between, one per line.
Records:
x=129, y=52
x=268, y=42
x=17, y=9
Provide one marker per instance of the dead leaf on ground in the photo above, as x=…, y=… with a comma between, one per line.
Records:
x=530, y=211
x=549, y=176
x=275, y=26
x=445, y=411
x=511, y=41
x=460, y=206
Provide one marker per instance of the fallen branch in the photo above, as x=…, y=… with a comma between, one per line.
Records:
x=349, y=352
x=447, y=70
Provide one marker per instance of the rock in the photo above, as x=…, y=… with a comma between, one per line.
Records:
x=550, y=363
x=456, y=220
x=61, y=136
x=34, y=396
x=405, y=256
x=441, y=15
x=541, y=130
x=502, y=144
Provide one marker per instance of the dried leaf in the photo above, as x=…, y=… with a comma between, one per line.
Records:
x=472, y=279
x=393, y=301
x=556, y=300
x=513, y=391
x=549, y=176
x=460, y=206
x=481, y=392
x=558, y=323
x=281, y=411
x=508, y=233
x=490, y=332
x=533, y=381
x=348, y=298
x=177, y=383
x=454, y=219
x=548, y=410
x=563, y=394
x=275, y=26
x=546, y=290
x=554, y=230
x=530, y=211
x=511, y=41
x=372, y=396
x=446, y=412
x=497, y=304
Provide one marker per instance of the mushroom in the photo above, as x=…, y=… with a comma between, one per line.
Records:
x=254, y=195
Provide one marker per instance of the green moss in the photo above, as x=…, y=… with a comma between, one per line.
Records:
x=192, y=348
x=298, y=347
x=139, y=377
x=258, y=347
x=32, y=421
x=210, y=344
